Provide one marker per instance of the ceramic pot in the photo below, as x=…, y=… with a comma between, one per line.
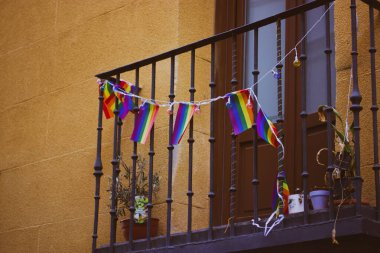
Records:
x=319, y=199
x=296, y=203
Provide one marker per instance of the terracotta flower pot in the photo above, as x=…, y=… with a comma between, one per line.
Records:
x=139, y=229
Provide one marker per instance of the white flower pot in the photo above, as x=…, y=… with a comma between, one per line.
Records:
x=319, y=199
x=296, y=202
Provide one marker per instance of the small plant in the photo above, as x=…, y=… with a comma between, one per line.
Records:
x=124, y=189
x=344, y=169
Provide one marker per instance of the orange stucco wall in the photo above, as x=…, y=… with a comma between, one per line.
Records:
x=343, y=66
x=49, y=54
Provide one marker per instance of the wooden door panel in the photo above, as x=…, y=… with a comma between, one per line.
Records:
x=267, y=172
x=317, y=139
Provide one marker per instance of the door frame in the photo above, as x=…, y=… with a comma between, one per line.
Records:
x=230, y=14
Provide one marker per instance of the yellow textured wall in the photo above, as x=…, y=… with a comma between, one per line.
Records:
x=343, y=66
x=49, y=53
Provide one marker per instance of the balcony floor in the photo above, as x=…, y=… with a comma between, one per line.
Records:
x=361, y=231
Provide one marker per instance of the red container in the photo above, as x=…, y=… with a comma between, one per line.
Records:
x=139, y=229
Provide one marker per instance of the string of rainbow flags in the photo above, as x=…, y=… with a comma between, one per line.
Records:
x=240, y=109
x=239, y=105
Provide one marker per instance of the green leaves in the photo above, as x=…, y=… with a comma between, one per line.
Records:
x=124, y=187
x=340, y=135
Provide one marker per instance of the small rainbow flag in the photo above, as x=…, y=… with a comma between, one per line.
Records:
x=285, y=196
x=266, y=129
x=184, y=114
x=125, y=102
x=126, y=106
x=123, y=87
x=241, y=114
x=144, y=122
x=108, y=100
x=110, y=91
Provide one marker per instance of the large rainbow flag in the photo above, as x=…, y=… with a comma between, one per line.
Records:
x=144, y=122
x=266, y=129
x=241, y=114
x=184, y=114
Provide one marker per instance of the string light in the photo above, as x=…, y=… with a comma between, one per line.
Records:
x=276, y=74
x=170, y=110
x=249, y=104
x=198, y=109
x=296, y=62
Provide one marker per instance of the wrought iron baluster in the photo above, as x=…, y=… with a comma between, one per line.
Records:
x=255, y=178
x=115, y=171
x=191, y=142
x=134, y=163
x=98, y=168
x=280, y=120
x=169, y=199
x=119, y=127
x=356, y=98
x=211, y=193
x=151, y=160
x=374, y=109
x=303, y=115
x=330, y=136
x=232, y=189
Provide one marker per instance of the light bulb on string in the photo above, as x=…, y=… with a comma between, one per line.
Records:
x=142, y=108
x=249, y=104
x=296, y=62
x=170, y=110
x=228, y=104
x=276, y=74
x=198, y=109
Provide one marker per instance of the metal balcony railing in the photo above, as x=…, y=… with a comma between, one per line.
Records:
x=212, y=238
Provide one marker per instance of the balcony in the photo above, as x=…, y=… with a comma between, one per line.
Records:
x=357, y=223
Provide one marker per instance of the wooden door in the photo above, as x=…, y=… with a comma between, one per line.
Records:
x=267, y=155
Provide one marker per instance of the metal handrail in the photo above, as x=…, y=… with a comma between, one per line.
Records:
x=214, y=38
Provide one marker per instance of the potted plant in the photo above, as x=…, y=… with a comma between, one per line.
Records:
x=344, y=158
x=123, y=197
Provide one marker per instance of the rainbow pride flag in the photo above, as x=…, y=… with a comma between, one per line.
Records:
x=108, y=100
x=126, y=106
x=111, y=91
x=276, y=201
x=266, y=129
x=145, y=120
x=241, y=114
x=184, y=114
